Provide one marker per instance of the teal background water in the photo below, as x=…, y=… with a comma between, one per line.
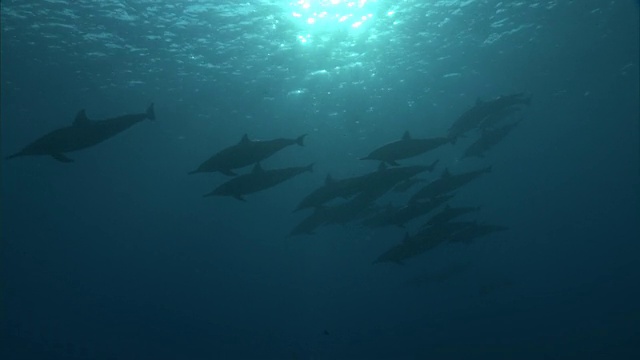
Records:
x=117, y=256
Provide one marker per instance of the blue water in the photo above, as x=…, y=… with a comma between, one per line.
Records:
x=118, y=255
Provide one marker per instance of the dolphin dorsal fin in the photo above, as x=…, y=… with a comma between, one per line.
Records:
x=446, y=173
x=245, y=139
x=406, y=135
x=328, y=180
x=81, y=119
x=257, y=168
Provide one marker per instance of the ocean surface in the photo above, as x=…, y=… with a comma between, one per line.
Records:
x=117, y=255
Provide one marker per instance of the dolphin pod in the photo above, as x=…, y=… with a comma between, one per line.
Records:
x=352, y=199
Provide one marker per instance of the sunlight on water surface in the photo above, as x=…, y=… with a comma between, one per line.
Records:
x=316, y=18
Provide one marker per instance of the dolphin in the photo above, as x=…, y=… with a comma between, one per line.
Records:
x=81, y=134
x=488, y=140
x=400, y=216
x=404, y=148
x=332, y=188
x=449, y=213
x=334, y=214
x=447, y=183
x=259, y=179
x=376, y=182
x=413, y=210
x=309, y=224
x=407, y=184
x=380, y=182
x=245, y=153
x=350, y=210
x=485, y=112
x=492, y=120
x=433, y=236
x=415, y=245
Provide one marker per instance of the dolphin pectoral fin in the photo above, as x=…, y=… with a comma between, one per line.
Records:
x=239, y=197
x=228, y=172
x=61, y=157
x=393, y=163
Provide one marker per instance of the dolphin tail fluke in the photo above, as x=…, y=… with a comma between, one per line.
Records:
x=300, y=140
x=151, y=113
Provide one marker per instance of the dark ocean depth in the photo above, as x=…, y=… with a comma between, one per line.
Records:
x=522, y=115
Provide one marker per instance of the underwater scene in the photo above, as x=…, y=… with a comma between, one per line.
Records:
x=320, y=179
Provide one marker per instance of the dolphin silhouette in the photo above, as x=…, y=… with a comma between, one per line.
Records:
x=245, y=153
x=81, y=134
x=258, y=180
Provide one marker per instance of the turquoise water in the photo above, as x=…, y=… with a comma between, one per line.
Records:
x=118, y=256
